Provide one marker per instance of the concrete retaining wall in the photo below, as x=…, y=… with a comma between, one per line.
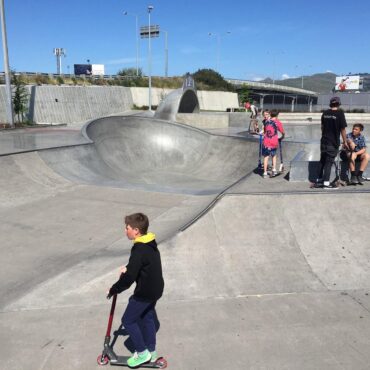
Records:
x=140, y=95
x=208, y=100
x=70, y=104
x=67, y=104
x=74, y=104
x=217, y=100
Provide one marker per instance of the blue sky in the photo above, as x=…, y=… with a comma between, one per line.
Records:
x=267, y=38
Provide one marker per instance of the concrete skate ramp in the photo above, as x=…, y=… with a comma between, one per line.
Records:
x=142, y=153
x=178, y=101
x=237, y=250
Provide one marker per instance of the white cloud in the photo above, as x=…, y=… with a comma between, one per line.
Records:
x=329, y=71
x=284, y=76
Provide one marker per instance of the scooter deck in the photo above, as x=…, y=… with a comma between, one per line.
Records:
x=160, y=363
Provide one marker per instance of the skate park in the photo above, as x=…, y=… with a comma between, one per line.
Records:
x=267, y=269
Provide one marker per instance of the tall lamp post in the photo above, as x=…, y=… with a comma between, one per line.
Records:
x=218, y=36
x=9, y=110
x=137, y=40
x=150, y=8
x=149, y=32
x=165, y=53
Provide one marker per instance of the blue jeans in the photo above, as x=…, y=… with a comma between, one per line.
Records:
x=139, y=319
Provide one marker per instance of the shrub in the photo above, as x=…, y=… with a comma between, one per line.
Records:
x=20, y=96
x=60, y=80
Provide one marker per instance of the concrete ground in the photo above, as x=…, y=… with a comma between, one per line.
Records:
x=274, y=275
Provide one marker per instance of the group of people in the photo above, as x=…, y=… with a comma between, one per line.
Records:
x=353, y=147
x=333, y=127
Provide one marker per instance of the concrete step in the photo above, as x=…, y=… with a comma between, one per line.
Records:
x=302, y=169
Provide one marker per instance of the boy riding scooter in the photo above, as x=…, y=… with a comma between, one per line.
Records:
x=144, y=268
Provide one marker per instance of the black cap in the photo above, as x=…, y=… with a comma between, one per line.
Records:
x=335, y=100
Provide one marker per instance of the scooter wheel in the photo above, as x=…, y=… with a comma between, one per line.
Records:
x=161, y=363
x=102, y=360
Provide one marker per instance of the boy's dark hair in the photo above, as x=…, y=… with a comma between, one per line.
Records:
x=266, y=110
x=359, y=125
x=138, y=221
x=274, y=113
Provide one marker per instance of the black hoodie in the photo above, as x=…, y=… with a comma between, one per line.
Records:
x=144, y=268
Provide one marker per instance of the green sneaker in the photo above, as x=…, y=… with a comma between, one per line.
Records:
x=139, y=358
x=154, y=356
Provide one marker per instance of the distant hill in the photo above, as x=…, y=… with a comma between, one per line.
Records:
x=320, y=82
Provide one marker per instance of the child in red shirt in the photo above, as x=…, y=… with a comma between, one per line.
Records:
x=271, y=127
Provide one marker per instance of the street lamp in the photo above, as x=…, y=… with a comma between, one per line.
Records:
x=6, y=67
x=210, y=34
x=150, y=8
x=165, y=53
x=137, y=40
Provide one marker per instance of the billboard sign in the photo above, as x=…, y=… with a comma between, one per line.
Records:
x=345, y=83
x=89, y=69
x=82, y=69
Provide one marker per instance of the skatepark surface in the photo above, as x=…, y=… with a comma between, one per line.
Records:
x=259, y=273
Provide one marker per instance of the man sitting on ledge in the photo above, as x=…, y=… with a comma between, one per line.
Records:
x=356, y=152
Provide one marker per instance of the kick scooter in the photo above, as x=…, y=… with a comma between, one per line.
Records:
x=281, y=169
x=109, y=356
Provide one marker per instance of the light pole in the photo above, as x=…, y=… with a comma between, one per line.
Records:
x=165, y=53
x=9, y=110
x=150, y=8
x=137, y=40
x=218, y=36
x=58, y=52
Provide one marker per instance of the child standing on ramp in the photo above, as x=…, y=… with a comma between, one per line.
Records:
x=271, y=127
x=144, y=268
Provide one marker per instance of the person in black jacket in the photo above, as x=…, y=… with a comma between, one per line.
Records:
x=333, y=125
x=144, y=268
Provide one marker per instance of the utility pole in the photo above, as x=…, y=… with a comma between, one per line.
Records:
x=9, y=105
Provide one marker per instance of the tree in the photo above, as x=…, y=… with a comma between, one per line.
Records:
x=243, y=93
x=209, y=79
x=20, y=96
